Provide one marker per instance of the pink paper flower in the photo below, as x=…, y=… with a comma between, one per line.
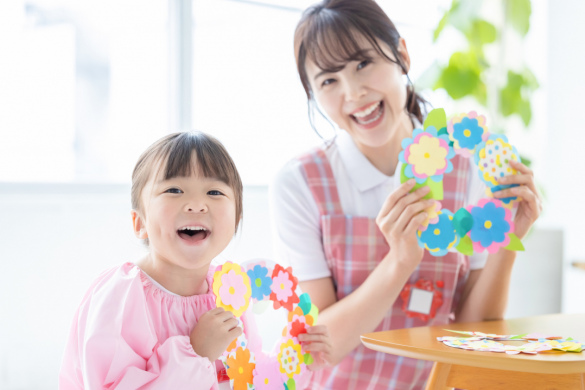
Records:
x=283, y=288
x=267, y=375
x=232, y=289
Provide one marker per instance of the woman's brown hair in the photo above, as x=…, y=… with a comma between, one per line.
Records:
x=329, y=32
x=173, y=153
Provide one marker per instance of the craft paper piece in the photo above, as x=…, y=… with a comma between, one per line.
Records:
x=467, y=131
x=283, y=288
x=240, y=369
x=566, y=345
x=426, y=155
x=538, y=336
x=264, y=283
x=439, y=237
x=433, y=215
x=493, y=158
x=231, y=287
x=435, y=187
x=437, y=119
x=489, y=336
x=492, y=225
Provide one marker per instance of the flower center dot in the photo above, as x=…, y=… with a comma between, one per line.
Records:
x=466, y=132
x=282, y=286
x=437, y=232
x=487, y=224
x=427, y=155
x=232, y=290
x=241, y=370
x=258, y=282
x=265, y=381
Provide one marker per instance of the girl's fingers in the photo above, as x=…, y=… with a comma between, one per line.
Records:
x=314, y=338
x=316, y=347
x=395, y=197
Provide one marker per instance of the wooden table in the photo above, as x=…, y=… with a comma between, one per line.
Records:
x=490, y=370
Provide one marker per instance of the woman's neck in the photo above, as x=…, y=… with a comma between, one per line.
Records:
x=385, y=157
x=176, y=279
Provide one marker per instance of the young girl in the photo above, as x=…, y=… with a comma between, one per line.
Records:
x=345, y=223
x=154, y=324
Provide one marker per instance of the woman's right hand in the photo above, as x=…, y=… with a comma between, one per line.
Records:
x=214, y=332
x=399, y=218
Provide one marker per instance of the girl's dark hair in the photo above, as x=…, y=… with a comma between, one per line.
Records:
x=329, y=33
x=173, y=154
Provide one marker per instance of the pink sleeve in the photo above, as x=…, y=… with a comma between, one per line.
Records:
x=112, y=344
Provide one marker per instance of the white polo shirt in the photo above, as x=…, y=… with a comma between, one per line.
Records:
x=362, y=191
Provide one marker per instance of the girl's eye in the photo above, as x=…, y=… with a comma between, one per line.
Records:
x=363, y=64
x=174, y=191
x=327, y=82
x=214, y=192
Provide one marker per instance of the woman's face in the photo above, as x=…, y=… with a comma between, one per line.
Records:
x=365, y=98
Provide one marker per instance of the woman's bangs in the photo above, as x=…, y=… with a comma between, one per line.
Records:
x=335, y=45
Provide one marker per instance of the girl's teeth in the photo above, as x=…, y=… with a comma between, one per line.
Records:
x=367, y=111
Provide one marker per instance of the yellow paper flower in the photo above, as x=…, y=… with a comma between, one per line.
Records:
x=290, y=358
x=428, y=157
x=231, y=286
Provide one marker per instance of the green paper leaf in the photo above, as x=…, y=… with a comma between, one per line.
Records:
x=436, y=118
x=305, y=303
x=465, y=246
x=463, y=222
x=314, y=313
x=436, y=187
x=519, y=336
x=308, y=359
x=515, y=243
x=290, y=384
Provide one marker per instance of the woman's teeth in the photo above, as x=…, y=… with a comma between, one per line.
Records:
x=367, y=111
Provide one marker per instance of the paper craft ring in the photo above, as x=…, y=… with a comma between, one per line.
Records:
x=260, y=283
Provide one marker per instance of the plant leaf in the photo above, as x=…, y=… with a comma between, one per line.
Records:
x=518, y=12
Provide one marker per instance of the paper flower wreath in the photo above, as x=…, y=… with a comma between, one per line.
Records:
x=426, y=157
x=258, y=283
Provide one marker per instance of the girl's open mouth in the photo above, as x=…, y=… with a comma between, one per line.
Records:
x=193, y=234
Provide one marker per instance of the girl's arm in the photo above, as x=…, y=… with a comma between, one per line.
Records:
x=486, y=292
x=112, y=345
x=363, y=310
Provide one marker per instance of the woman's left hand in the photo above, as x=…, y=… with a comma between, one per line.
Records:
x=530, y=206
x=318, y=343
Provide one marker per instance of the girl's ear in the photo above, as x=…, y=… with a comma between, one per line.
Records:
x=404, y=53
x=138, y=225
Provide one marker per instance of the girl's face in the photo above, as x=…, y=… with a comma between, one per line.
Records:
x=365, y=98
x=188, y=220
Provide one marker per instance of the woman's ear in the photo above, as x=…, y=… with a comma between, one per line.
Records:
x=138, y=225
x=404, y=53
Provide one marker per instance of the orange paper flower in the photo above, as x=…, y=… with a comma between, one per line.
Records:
x=240, y=369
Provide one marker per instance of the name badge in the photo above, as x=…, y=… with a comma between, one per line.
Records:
x=421, y=299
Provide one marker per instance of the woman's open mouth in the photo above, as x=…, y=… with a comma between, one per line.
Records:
x=193, y=234
x=370, y=116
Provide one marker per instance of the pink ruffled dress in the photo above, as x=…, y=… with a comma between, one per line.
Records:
x=130, y=334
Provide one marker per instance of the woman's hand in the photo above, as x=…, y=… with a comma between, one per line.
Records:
x=213, y=333
x=530, y=206
x=401, y=215
x=318, y=342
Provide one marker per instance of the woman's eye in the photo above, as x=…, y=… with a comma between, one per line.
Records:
x=363, y=64
x=174, y=191
x=214, y=192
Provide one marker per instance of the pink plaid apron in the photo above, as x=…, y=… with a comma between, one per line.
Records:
x=354, y=246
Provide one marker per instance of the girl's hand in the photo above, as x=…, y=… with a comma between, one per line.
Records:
x=213, y=333
x=318, y=342
x=401, y=215
x=530, y=206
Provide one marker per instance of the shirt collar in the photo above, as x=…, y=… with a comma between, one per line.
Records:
x=362, y=173
x=360, y=170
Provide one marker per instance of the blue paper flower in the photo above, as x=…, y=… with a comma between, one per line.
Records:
x=439, y=237
x=426, y=154
x=468, y=132
x=492, y=225
x=260, y=282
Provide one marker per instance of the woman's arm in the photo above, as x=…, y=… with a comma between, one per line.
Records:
x=486, y=292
